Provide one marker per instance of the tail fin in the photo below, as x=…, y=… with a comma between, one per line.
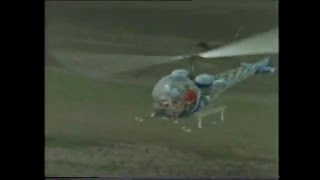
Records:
x=261, y=67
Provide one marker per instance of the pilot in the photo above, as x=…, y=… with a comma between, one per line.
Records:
x=190, y=97
x=164, y=104
x=175, y=102
x=161, y=107
x=165, y=100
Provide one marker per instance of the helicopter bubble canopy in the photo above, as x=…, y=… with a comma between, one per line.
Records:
x=171, y=90
x=178, y=80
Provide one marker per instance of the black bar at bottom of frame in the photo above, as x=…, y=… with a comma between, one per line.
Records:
x=158, y=178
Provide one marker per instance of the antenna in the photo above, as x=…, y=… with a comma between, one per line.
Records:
x=237, y=33
x=192, y=58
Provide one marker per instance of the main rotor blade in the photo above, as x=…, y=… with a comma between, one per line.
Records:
x=264, y=43
x=104, y=65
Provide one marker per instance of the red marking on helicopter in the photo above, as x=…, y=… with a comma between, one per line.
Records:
x=190, y=96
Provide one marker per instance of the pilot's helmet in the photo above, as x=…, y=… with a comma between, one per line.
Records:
x=175, y=94
x=167, y=88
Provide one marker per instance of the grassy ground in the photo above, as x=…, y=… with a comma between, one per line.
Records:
x=91, y=99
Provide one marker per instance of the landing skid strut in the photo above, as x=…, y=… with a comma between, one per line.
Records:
x=200, y=115
x=208, y=112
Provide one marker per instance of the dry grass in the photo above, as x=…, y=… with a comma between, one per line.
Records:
x=144, y=160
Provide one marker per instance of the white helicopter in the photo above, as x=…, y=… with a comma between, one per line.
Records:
x=182, y=94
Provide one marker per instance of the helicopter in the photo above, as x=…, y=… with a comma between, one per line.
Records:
x=182, y=94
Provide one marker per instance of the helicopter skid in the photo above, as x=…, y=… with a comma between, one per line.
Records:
x=209, y=111
x=152, y=116
x=199, y=115
x=186, y=130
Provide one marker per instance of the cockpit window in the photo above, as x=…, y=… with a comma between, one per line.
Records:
x=175, y=95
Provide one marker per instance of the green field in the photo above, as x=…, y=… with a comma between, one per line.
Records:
x=92, y=98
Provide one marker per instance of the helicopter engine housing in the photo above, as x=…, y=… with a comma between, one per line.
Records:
x=204, y=81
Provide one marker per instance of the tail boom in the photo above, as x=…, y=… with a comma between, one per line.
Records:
x=231, y=77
